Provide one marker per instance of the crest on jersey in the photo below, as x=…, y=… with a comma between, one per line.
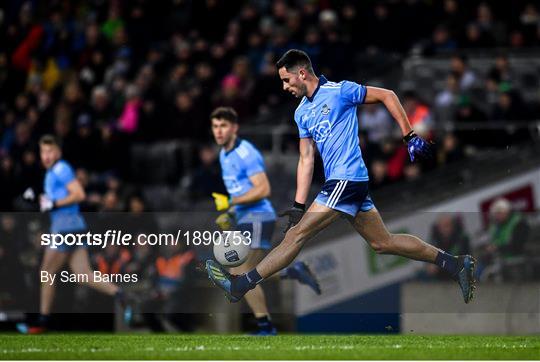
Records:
x=325, y=110
x=321, y=131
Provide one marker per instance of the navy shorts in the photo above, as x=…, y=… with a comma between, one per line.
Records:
x=346, y=196
x=261, y=233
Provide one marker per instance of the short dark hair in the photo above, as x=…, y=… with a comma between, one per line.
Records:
x=50, y=140
x=294, y=58
x=226, y=113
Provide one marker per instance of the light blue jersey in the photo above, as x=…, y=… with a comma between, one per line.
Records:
x=67, y=218
x=237, y=166
x=329, y=118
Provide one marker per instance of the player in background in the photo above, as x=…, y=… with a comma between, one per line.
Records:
x=248, y=208
x=327, y=119
x=63, y=193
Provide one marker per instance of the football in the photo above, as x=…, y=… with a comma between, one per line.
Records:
x=232, y=250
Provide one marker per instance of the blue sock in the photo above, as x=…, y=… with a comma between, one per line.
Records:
x=246, y=282
x=447, y=262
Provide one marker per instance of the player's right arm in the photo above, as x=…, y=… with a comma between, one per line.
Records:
x=65, y=175
x=416, y=146
x=75, y=195
x=304, y=173
x=392, y=103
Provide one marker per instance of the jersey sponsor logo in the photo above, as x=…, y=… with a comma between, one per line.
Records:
x=325, y=110
x=321, y=131
x=232, y=185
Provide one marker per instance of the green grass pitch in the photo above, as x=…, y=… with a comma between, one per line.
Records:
x=173, y=346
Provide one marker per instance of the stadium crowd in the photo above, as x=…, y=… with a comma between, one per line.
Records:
x=105, y=75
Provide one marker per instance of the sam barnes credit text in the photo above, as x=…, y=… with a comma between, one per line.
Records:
x=98, y=277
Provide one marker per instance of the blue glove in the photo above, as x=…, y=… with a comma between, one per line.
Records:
x=418, y=148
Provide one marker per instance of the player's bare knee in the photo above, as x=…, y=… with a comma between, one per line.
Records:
x=382, y=246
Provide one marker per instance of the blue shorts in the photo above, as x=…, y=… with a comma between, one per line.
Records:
x=261, y=233
x=345, y=196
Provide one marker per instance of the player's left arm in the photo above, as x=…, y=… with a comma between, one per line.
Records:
x=392, y=103
x=75, y=195
x=261, y=189
x=416, y=146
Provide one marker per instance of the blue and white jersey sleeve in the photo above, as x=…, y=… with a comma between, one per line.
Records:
x=66, y=218
x=252, y=159
x=303, y=131
x=353, y=93
x=63, y=172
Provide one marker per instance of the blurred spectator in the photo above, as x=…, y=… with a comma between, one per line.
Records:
x=101, y=111
x=378, y=174
x=460, y=68
x=441, y=41
x=88, y=143
x=9, y=183
x=140, y=220
x=187, y=119
x=508, y=107
x=110, y=202
x=207, y=176
x=395, y=157
x=375, y=120
x=418, y=113
x=230, y=95
x=129, y=119
x=467, y=114
x=446, y=100
x=450, y=150
x=30, y=173
x=112, y=260
x=508, y=231
x=447, y=233
x=174, y=271
x=501, y=72
x=489, y=26
x=451, y=17
x=476, y=38
x=411, y=171
x=530, y=21
x=380, y=19
x=93, y=196
x=22, y=141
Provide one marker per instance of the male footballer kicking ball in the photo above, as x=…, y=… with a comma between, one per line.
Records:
x=326, y=118
x=63, y=193
x=249, y=209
